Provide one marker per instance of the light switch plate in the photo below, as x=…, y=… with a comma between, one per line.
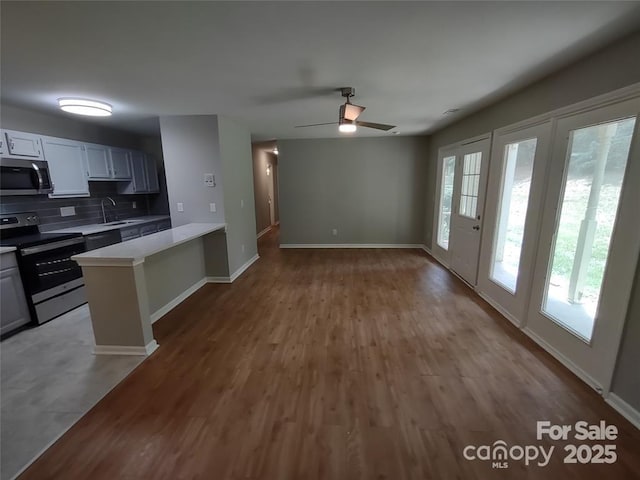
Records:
x=67, y=211
x=212, y=207
x=180, y=207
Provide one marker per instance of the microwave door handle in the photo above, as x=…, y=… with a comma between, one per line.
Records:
x=40, y=179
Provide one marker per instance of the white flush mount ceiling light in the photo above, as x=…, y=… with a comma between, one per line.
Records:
x=81, y=106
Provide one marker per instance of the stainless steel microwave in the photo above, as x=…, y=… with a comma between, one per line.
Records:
x=24, y=177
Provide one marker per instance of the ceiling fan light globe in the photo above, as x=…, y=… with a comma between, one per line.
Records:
x=347, y=127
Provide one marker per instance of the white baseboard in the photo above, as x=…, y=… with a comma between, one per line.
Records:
x=500, y=310
x=244, y=267
x=162, y=311
x=147, y=350
x=265, y=231
x=624, y=409
x=351, y=245
x=575, y=369
x=426, y=249
x=218, y=279
x=235, y=274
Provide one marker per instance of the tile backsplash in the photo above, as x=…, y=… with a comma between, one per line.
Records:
x=87, y=210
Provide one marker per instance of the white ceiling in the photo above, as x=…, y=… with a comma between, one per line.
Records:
x=273, y=65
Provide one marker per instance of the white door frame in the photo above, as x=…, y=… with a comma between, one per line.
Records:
x=514, y=304
x=594, y=362
x=469, y=230
x=441, y=254
x=458, y=150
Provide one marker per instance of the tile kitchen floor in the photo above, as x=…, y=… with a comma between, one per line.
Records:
x=49, y=379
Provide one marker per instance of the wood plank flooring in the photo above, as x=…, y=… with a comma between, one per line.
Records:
x=333, y=364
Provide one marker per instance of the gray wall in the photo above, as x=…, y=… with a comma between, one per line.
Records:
x=369, y=189
x=237, y=178
x=614, y=67
x=191, y=149
x=170, y=273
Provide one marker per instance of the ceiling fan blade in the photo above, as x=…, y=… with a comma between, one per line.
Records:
x=349, y=111
x=315, y=125
x=377, y=126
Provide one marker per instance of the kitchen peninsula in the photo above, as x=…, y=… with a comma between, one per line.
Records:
x=132, y=284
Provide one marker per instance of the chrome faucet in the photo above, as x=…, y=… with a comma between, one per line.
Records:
x=104, y=216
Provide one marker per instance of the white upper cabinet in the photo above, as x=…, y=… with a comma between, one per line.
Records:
x=107, y=163
x=98, y=164
x=67, y=167
x=22, y=145
x=153, y=185
x=144, y=175
x=73, y=164
x=120, y=165
x=139, y=172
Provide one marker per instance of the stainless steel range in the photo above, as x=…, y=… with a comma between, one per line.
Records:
x=52, y=282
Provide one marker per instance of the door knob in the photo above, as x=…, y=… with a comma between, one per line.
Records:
x=476, y=227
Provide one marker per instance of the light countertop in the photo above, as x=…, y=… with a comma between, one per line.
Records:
x=135, y=251
x=103, y=227
x=7, y=249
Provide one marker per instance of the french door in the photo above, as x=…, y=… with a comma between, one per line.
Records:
x=589, y=240
x=462, y=174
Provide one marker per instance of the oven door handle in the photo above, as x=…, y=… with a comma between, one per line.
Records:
x=40, y=179
x=50, y=246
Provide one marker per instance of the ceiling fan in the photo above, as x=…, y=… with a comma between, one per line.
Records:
x=348, y=118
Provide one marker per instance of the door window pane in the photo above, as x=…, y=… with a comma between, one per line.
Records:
x=596, y=164
x=470, y=185
x=517, y=169
x=446, y=195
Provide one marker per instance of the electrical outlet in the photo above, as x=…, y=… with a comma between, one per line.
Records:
x=334, y=232
x=180, y=207
x=241, y=203
x=242, y=248
x=134, y=205
x=67, y=211
x=212, y=207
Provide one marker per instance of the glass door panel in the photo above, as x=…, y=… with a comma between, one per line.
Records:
x=446, y=197
x=513, y=202
x=472, y=163
x=596, y=161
